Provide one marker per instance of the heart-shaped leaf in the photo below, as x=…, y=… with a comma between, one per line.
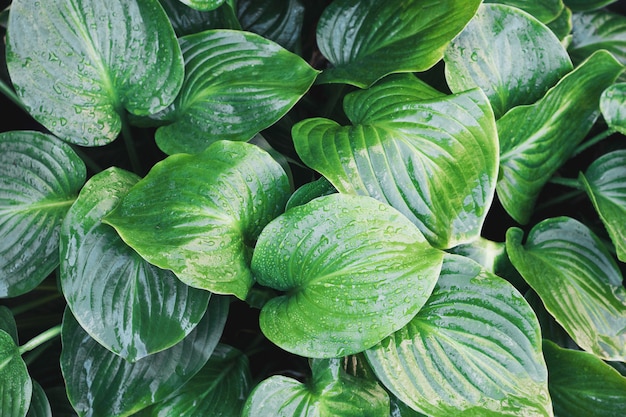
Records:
x=474, y=349
x=577, y=280
x=331, y=392
x=129, y=306
x=535, y=140
x=187, y=21
x=236, y=84
x=354, y=270
x=365, y=40
x=199, y=215
x=507, y=53
x=582, y=385
x=39, y=406
x=100, y=383
x=277, y=20
x=7, y=323
x=204, y=5
x=80, y=65
x=545, y=11
x=613, y=107
x=597, y=30
x=435, y=161
x=39, y=179
x=16, y=386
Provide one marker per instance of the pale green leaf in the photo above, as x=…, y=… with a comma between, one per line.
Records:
x=613, y=107
x=545, y=11
x=597, y=30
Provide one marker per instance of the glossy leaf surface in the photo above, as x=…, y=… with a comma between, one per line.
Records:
x=353, y=270
x=613, y=107
x=236, y=84
x=187, y=21
x=365, y=40
x=39, y=406
x=199, y=215
x=100, y=383
x=596, y=30
x=39, y=179
x=535, y=140
x=15, y=384
x=543, y=10
x=310, y=191
x=578, y=282
x=562, y=26
x=433, y=159
x=129, y=306
x=277, y=20
x=473, y=349
x=508, y=54
x=79, y=65
x=203, y=5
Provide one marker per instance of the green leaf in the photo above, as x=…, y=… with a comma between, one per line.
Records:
x=331, y=392
x=203, y=5
x=562, y=26
x=310, y=191
x=80, y=65
x=59, y=403
x=581, y=5
x=129, y=306
x=236, y=84
x=278, y=20
x=365, y=40
x=39, y=179
x=581, y=385
x=578, y=282
x=545, y=11
x=508, y=54
x=535, y=140
x=199, y=215
x=353, y=270
x=7, y=323
x=597, y=30
x=474, y=349
x=435, y=160
x=613, y=107
x=39, y=406
x=100, y=383
x=187, y=21
x=15, y=384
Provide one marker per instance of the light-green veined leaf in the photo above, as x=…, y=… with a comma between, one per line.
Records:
x=543, y=10
x=39, y=406
x=597, y=30
x=278, y=20
x=613, y=107
x=16, y=386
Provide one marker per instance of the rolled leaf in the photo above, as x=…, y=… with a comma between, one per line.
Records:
x=545, y=11
x=613, y=107
x=278, y=20
x=597, y=30
x=16, y=387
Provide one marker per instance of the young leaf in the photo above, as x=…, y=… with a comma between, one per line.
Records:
x=577, y=280
x=39, y=406
x=15, y=384
x=129, y=306
x=509, y=54
x=80, y=65
x=613, y=107
x=543, y=10
x=100, y=383
x=354, y=270
x=277, y=20
x=236, y=84
x=39, y=179
x=365, y=40
x=597, y=30
x=199, y=215
x=535, y=140
x=435, y=161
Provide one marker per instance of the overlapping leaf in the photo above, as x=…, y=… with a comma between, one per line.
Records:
x=433, y=159
x=80, y=65
x=562, y=26
x=581, y=5
x=199, y=215
x=277, y=20
x=613, y=107
x=204, y=5
x=535, y=140
x=129, y=306
x=187, y=21
x=365, y=40
x=39, y=179
x=578, y=282
x=39, y=406
x=473, y=349
x=354, y=270
x=542, y=10
x=597, y=30
x=7, y=323
x=16, y=386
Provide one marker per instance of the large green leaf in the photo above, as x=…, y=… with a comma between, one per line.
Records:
x=39, y=179
x=598, y=30
x=16, y=386
x=545, y=11
x=278, y=20
x=236, y=84
x=434, y=160
x=577, y=280
x=129, y=306
x=354, y=270
x=100, y=383
x=587, y=4
x=613, y=107
x=79, y=65
x=474, y=349
x=535, y=140
x=581, y=385
x=365, y=40
x=199, y=215
x=39, y=406
x=331, y=392
x=509, y=54
x=187, y=21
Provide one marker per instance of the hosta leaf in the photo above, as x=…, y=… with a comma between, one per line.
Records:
x=365, y=40
x=199, y=215
x=435, y=161
x=579, y=5
x=613, y=107
x=129, y=306
x=100, y=383
x=542, y=10
x=277, y=20
x=236, y=84
x=598, y=30
x=474, y=349
x=354, y=270
x=578, y=282
x=15, y=384
x=39, y=179
x=187, y=21
x=310, y=191
x=59, y=403
x=331, y=392
x=535, y=140
x=510, y=55
x=203, y=5
x=7, y=323
x=581, y=385
x=39, y=406
x=79, y=65
x=562, y=26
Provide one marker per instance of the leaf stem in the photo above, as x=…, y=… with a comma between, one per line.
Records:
x=559, y=199
x=567, y=182
x=23, y=308
x=594, y=140
x=8, y=91
x=40, y=339
x=130, y=145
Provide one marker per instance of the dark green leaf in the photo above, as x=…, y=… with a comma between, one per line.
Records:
x=203, y=5
x=545, y=11
x=310, y=191
x=562, y=26
x=129, y=306
x=277, y=20
x=59, y=403
x=39, y=179
x=581, y=5
x=7, y=323
x=187, y=21
x=597, y=30
x=15, y=384
x=613, y=107
x=354, y=270
x=577, y=280
x=39, y=406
